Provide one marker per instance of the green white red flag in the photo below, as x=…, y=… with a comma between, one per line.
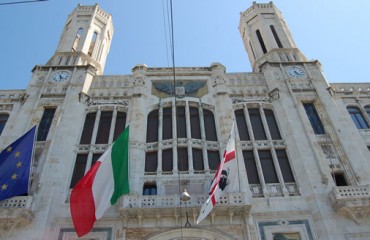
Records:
x=102, y=185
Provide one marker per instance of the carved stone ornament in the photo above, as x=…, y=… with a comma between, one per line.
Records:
x=12, y=218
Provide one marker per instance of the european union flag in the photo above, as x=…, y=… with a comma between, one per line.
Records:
x=15, y=165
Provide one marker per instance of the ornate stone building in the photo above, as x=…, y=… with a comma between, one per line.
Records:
x=302, y=143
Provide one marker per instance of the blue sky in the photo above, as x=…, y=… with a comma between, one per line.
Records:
x=335, y=32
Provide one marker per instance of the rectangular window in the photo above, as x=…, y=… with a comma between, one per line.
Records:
x=181, y=122
x=257, y=126
x=314, y=118
x=285, y=166
x=120, y=124
x=182, y=159
x=198, y=159
x=3, y=120
x=88, y=128
x=151, y=162
x=150, y=189
x=339, y=179
x=167, y=160
x=95, y=158
x=268, y=168
x=250, y=167
x=213, y=159
x=104, y=127
x=271, y=122
x=79, y=170
x=262, y=43
x=45, y=123
x=210, y=126
x=167, y=123
x=195, y=123
x=242, y=125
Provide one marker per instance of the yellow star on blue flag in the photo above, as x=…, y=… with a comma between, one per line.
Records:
x=15, y=166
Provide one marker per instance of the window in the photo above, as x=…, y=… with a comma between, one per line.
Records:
x=357, y=117
x=150, y=189
x=45, y=123
x=92, y=44
x=109, y=125
x=3, y=120
x=263, y=161
x=77, y=39
x=151, y=162
x=276, y=36
x=367, y=109
x=259, y=36
x=339, y=179
x=173, y=154
x=314, y=118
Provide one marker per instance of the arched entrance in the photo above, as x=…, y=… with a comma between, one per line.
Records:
x=190, y=234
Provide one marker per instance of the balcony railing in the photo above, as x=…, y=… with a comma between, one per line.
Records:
x=351, y=201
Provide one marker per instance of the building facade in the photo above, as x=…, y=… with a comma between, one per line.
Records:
x=302, y=144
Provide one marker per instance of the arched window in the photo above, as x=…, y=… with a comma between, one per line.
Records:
x=77, y=39
x=276, y=36
x=110, y=124
x=357, y=117
x=3, y=120
x=92, y=44
x=367, y=109
x=164, y=155
x=262, y=43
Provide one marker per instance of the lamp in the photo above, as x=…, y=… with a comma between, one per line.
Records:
x=185, y=196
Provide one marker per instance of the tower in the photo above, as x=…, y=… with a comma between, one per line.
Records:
x=86, y=39
x=266, y=36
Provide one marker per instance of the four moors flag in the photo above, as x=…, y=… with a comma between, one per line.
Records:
x=102, y=185
x=225, y=179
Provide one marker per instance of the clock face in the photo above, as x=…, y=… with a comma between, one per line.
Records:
x=61, y=76
x=295, y=72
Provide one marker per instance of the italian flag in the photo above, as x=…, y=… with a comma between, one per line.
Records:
x=102, y=185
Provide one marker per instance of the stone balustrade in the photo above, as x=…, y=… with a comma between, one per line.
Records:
x=17, y=202
x=351, y=201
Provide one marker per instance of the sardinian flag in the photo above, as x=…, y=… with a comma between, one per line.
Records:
x=225, y=179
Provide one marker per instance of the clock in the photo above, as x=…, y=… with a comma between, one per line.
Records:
x=60, y=76
x=295, y=72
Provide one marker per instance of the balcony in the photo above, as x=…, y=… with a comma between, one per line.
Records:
x=15, y=212
x=170, y=206
x=351, y=201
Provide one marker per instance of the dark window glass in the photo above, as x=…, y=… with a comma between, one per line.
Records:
x=167, y=123
x=268, y=167
x=285, y=166
x=194, y=123
x=314, y=118
x=150, y=189
x=213, y=159
x=242, y=125
x=3, y=119
x=357, y=117
x=182, y=158
x=88, y=128
x=92, y=44
x=95, y=158
x=181, y=122
x=251, y=168
x=271, y=122
x=104, y=127
x=257, y=126
x=120, y=124
x=367, y=109
x=198, y=163
x=167, y=160
x=152, y=127
x=262, y=43
x=276, y=37
x=151, y=162
x=79, y=170
x=47, y=118
x=210, y=126
x=339, y=179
